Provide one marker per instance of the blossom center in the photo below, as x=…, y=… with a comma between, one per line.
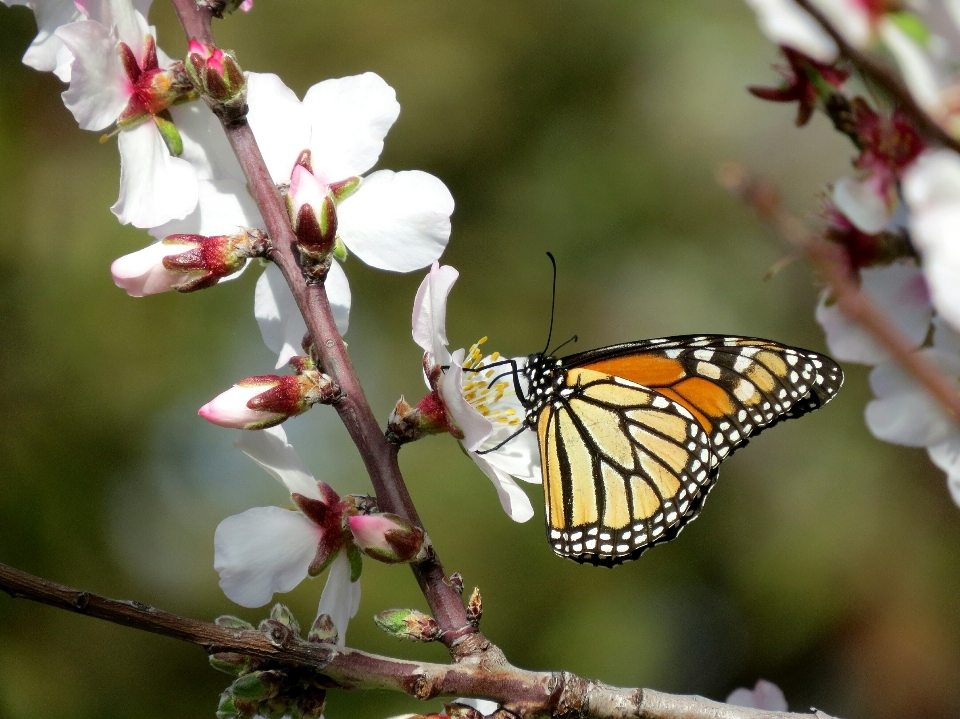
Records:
x=482, y=392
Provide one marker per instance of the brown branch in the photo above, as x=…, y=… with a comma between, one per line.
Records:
x=830, y=261
x=379, y=456
x=524, y=694
x=929, y=128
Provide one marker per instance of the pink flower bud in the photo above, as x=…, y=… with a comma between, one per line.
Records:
x=386, y=537
x=143, y=273
x=231, y=408
x=313, y=211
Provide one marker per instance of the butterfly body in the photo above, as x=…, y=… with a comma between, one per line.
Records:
x=631, y=436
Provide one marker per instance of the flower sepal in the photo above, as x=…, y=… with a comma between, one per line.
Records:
x=387, y=538
x=154, y=90
x=267, y=400
x=408, y=423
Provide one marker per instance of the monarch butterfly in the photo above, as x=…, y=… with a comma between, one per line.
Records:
x=631, y=435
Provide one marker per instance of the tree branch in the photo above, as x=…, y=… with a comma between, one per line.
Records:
x=929, y=128
x=524, y=694
x=829, y=259
x=379, y=456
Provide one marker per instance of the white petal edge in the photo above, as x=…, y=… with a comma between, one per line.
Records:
x=263, y=551
x=270, y=449
x=901, y=291
x=341, y=597
x=430, y=312
x=279, y=122
x=397, y=221
x=350, y=117
x=513, y=499
x=281, y=324
x=99, y=88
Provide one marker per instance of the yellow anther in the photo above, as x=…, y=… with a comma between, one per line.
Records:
x=495, y=356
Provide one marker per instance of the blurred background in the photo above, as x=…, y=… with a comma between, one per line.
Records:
x=825, y=561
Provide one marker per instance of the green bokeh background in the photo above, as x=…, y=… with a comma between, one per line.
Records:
x=825, y=561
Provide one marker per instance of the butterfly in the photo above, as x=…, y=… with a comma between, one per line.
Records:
x=631, y=436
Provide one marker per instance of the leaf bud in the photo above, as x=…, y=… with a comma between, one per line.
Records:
x=230, y=662
x=323, y=630
x=386, y=537
x=281, y=613
x=227, y=708
x=455, y=580
x=475, y=608
x=258, y=686
x=408, y=624
x=229, y=621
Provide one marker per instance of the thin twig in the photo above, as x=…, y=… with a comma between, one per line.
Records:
x=830, y=260
x=929, y=128
x=379, y=456
x=523, y=693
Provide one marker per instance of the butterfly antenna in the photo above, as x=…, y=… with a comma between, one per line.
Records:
x=564, y=344
x=553, y=301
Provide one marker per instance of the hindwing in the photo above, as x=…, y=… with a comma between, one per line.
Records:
x=624, y=467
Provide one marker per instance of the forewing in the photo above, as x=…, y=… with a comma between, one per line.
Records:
x=624, y=468
x=735, y=386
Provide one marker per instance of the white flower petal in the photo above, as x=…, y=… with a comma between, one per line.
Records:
x=338, y=293
x=270, y=449
x=945, y=338
x=263, y=551
x=946, y=454
x=784, y=23
x=279, y=122
x=475, y=427
x=397, y=221
x=224, y=207
x=862, y=204
x=341, y=597
x=155, y=187
x=350, y=117
x=99, y=88
x=904, y=413
x=430, y=312
x=47, y=52
x=931, y=187
x=278, y=316
x=900, y=291
x=851, y=18
x=142, y=273
x=513, y=499
x=205, y=144
x=916, y=66
x=765, y=695
x=519, y=457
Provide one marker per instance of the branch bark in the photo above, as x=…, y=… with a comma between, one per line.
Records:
x=929, y=128
x=830, y=262
x=522, y=693
x=379, y=456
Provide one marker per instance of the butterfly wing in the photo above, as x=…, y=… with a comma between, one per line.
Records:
x=735, y=386
x=624, y=467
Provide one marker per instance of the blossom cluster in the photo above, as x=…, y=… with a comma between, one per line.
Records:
x=897, y=217
x=182, y=183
